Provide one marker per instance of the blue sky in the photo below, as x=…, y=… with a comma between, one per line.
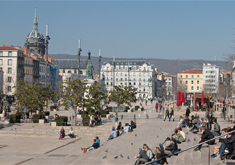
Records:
x=143, y=29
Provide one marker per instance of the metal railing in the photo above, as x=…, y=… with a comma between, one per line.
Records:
x=155, y=161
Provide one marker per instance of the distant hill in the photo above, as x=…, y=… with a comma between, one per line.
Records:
x=164, y=65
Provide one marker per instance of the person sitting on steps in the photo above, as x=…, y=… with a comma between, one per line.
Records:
x=206, y=135
x=71, y=133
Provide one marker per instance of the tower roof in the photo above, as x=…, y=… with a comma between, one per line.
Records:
x=35, y=36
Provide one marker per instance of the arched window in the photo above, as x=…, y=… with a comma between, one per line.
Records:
x=69, y=71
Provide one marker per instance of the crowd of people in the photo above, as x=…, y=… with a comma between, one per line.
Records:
x=120, y=129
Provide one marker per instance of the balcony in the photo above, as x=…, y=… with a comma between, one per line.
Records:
x=28, y=65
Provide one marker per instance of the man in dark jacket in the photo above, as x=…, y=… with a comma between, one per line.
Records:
x=187, y=112
x=172, y=148
x=172, y=114
x=229, y=141
x=206, y=135
x=143, y=157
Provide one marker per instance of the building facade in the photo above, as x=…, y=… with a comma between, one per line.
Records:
x=12, y=64
x=211, y=78
x=170, y=86
x=190, y=81
x=28, y=69
x=139, y=74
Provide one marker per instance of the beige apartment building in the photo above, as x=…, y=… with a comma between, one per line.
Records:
x=190, y=81
x=28, y=69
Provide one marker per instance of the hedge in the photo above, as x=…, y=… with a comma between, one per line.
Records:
x=15, y=118
x=85, y=120
x=110, y=109
x=137, y=107
x=104, y=112
x=47, y=113
x=53, y=107
x=61, y=120
x=36, y=118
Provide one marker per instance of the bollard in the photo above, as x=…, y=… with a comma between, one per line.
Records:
x=147, y=116
x=121, y=116
x=134, y=117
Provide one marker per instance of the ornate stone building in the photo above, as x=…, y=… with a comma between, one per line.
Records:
x=35, y=41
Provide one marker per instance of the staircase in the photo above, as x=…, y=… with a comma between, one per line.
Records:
x=35, y=130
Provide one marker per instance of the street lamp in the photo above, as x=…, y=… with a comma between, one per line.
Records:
x=99, y=64
x=79, y=54
x=46, y=44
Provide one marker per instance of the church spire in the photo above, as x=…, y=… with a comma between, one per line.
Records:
x=35, y=22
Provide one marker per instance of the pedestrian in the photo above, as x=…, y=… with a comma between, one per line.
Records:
x=187, y=112
x=116, y=119
x=172, y=114
x=224, y=112
x=166, y=115
x=156, y=107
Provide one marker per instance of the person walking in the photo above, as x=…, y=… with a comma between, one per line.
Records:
x=166, y=115
x=116, y=119
x=172, y=114
x=224, y=112
x=187, y=112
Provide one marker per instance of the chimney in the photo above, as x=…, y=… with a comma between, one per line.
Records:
x=113, y=57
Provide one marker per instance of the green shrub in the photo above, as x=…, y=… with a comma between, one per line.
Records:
x=15, y=118
x=110, y=109
x=47, y=113
x=127, y=107
x=85, y=120
x=53, y=107
x=92, y=111
x=137, y=107
x=36, y=118
x=61, y=120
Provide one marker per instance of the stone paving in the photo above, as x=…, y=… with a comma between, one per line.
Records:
x=49, y=150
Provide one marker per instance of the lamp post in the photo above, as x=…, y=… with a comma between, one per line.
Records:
x=99, y=64
x=79, y=54
x=46, y=44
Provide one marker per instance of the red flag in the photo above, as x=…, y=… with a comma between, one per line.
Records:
x=202, y=101
x=183, y=98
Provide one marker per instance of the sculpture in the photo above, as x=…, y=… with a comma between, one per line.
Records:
x=89, y=74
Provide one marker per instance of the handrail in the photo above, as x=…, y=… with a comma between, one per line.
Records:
x=190, y=147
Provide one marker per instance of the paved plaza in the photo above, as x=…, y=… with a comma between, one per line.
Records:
x=38, y=144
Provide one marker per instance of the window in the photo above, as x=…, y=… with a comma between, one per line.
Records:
x=180, y=76
x=0, y=53
x=192, y=82
x=9, y=88
x=116, y=79
x=139, y=83
x=121, y=79
x=192, y=76
x=134, y=74
x=9, y=70
x=121, y=74
x=0, y=61
x=198, y=88
x=139, y=79
x=180, y=81
x=129, y=83
x=107, y=83
x=10, y=53
x=140, y=74
x=186, y=87
x=134, y=83
x=116, y=74
x=197, y=81
x=186, y=76
x=125, y=79
x=186, y=82
x=197, y=76
x=0, y=68
x=192, y=88
x=9, y=79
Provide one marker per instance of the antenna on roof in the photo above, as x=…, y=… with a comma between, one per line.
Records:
x=113, y=57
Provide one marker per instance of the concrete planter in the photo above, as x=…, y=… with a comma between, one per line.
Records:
x=79, y=116
x=1, y=115
x=1, y=125
x=53, y=124
x=41, y=121
x=129, y=111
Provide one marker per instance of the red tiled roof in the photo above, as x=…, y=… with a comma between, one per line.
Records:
x=192, y=71
x=167, y=75
x=8, y=48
